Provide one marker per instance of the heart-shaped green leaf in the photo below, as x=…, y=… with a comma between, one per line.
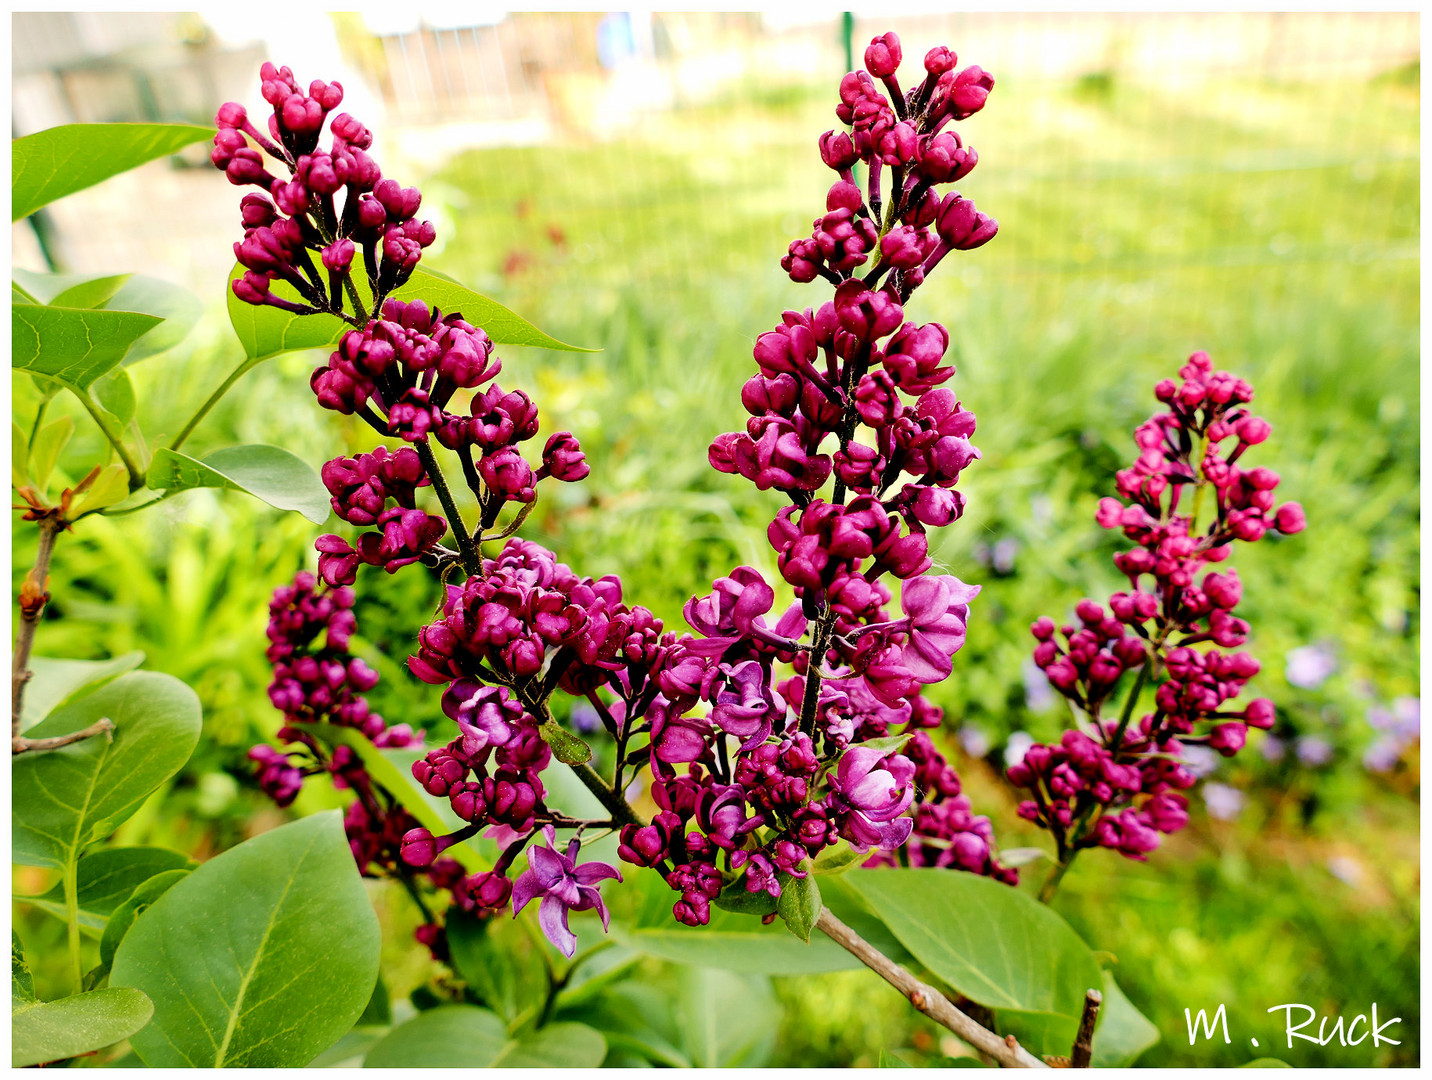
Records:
x=73, y=345
x=62, y=160
x=464, y=1036
x=54, y=681
x=63, y=800
x=263, y=956
x=266, y=331
x=991, y=943
x=265, y=472
x=107, y=878
x=54, y=1030
x=92, y=292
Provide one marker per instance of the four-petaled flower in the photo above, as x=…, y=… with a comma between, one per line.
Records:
x=564, y=886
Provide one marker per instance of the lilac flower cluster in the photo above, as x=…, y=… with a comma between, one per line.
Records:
x=300, y=213
x=800, y=778
x=318, y=684
x=1153, y=628
x=757, y=729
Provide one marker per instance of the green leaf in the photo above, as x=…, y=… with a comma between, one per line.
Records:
x=1123, y=1032
x=566, y=747
x=887, y=744
x=265, y=472
x=464, y=1036
x=92, y=292
x=1021, y=856
x=265, y=331
x=991, y=943
x=495, y=959
x=73, y=345
x=63, y=800
x=1266, y=1063
x=111, y=486
x=735, y=942
x=50, y=442
x=735, y=897
x=799, y=902
x=503, y=326
x=62, y=160
x=839, y=859
x=379, y=1010
x=726, y=1019
x=19, y=456
x=178, y=307
x=54, y=681
x=22, y=983
x=114, y=393
x=107, y=878
x=263, y=956
x=54, y=1030
x=136, y=905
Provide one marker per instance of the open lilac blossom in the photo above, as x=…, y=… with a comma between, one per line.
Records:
x=563, y=886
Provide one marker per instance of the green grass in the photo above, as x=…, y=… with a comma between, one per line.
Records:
x=1274, y=225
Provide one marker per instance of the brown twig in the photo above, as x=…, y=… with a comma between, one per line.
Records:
x=1083, y=1050
x=34, y=595
x=927, y=999
x=21, y=745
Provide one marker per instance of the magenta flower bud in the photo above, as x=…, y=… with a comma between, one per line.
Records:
x=418, y=847
x=1260, y=713
x=400, y=203
x=969, y=91
x=231, y=115
x=507, y=475
x=943, y=158
x=1228, y=738
x=883, y=55
x=866, y=314
x=562, y=458
x=351, y=131
x=962, y=226
x=902, y=247
x=338, y=256
x=337, y=561
x=843, y=196
x=837, y=151
x=468, y=800
x=940, y=60
x=246, y=166
x=486, y=891
x=899, y=145
x=226, y=143
x=1289, y=518
x=1253, y=430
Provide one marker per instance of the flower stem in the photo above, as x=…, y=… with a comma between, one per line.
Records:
x=459, y=530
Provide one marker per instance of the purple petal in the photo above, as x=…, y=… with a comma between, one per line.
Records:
x=553, y=919
x=593, y=872
x=525, y=889
x=549, y=866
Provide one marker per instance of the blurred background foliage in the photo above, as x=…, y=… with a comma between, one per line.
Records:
x=1272, y=221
